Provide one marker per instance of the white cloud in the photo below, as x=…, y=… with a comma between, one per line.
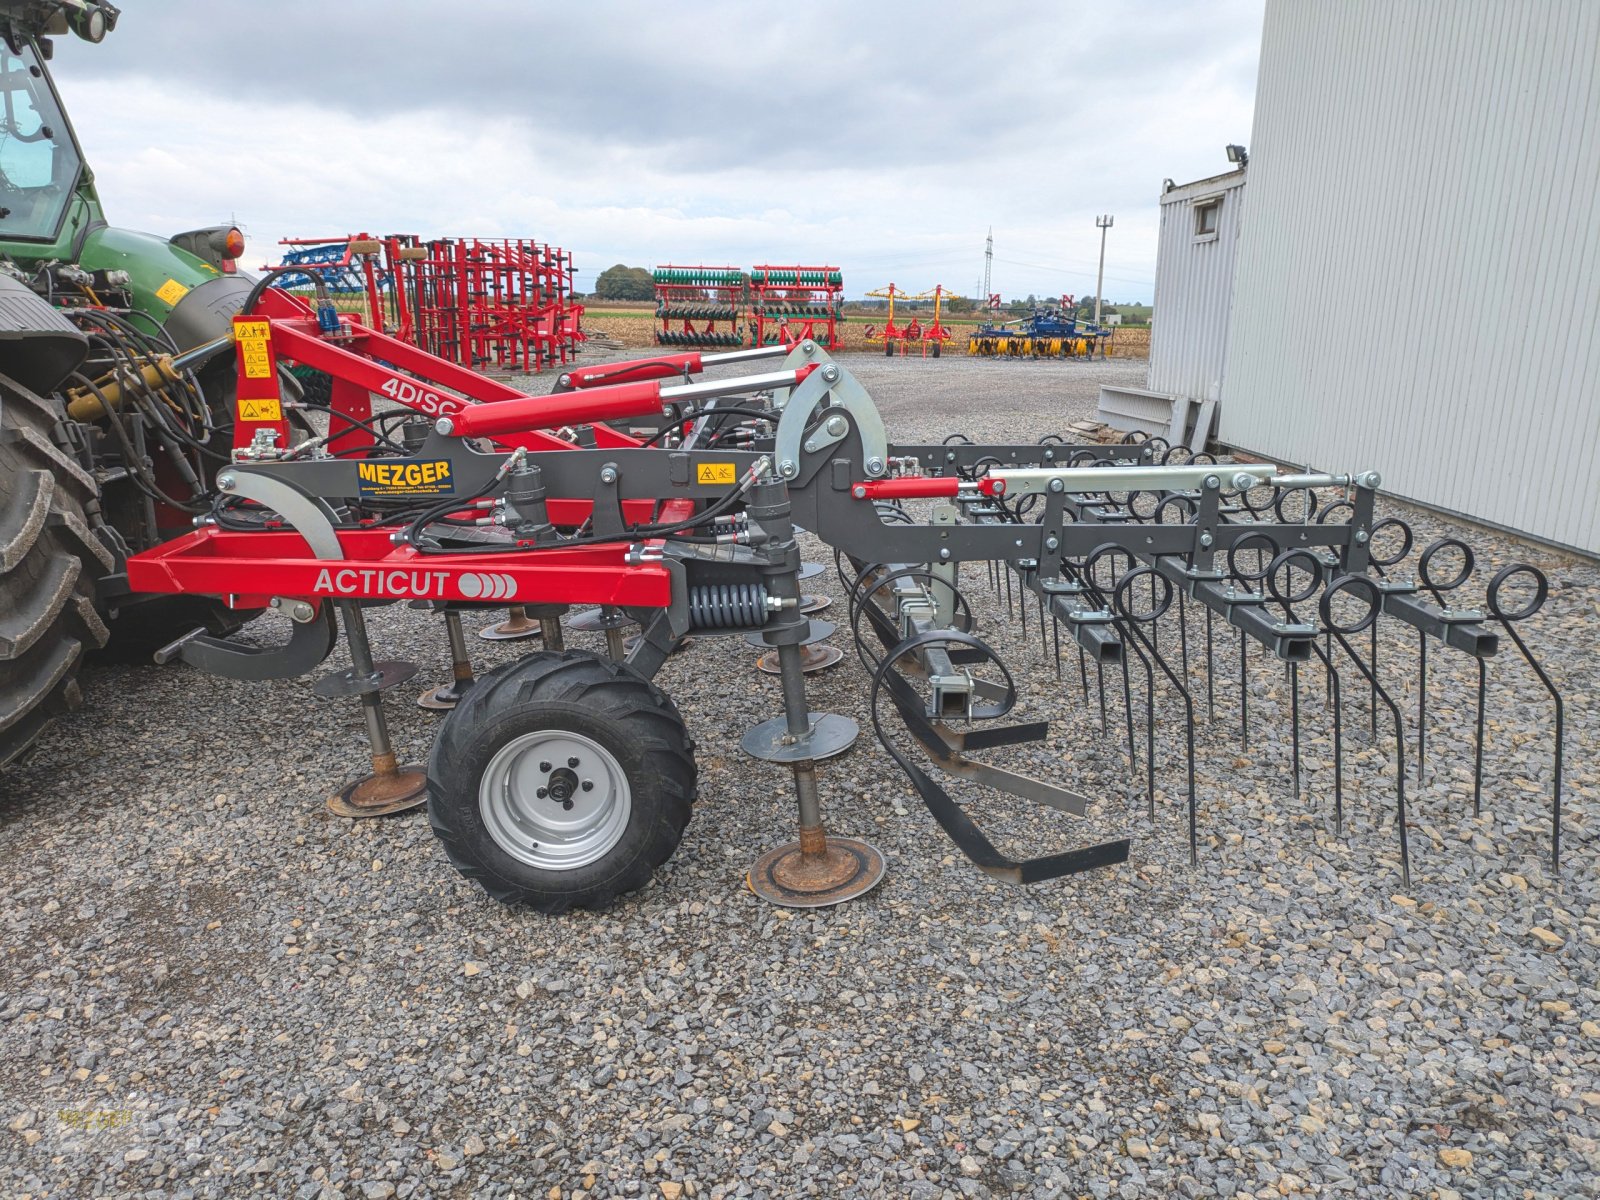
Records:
x=886, y=149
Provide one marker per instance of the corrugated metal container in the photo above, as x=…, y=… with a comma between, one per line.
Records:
x=1422, y=177
x=1194, y=285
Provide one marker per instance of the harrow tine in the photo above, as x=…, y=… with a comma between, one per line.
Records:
x=1372, y=698
x=1477, y=744
x=1149, y=723
x=1294, y=722
x=1183, y=637
x=1127, y=715
x=1343, y=584
x=1211, y=691
x=1044, y=644
x=1244, y=692
x=1055, y=633
x=1422, y=704
x=1508, y=618
x=1131, y=623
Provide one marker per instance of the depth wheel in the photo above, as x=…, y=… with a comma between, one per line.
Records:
x=561, y=780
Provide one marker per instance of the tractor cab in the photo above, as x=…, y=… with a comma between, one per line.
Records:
x=40, y=164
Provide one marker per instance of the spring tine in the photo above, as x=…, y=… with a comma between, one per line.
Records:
x=1399, y=758
x=1055, y=634
x=1508, y=623
x=1044, y=645
x=1022, y=605
x=1211, y=694
x=1422, y=703
x=1127, y=714
x=1005, y=569
x=1155, y=627
x=1132, y=627
x=1294, y=718
x=1338, y=740
x=1100, y=675
x=1327, y=653
x=1477, y=753
x=1183, y=638
x=1244, y=692
x=1372, y=660
x=1083, y=677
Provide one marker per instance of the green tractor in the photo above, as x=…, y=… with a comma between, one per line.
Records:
x=116, y=391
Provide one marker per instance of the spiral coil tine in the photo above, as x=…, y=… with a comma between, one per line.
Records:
x=1345, y=583
x=1508, y=619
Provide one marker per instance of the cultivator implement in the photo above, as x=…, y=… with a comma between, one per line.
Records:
x=669, y=504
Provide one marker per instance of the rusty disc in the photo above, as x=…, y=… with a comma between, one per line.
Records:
x=440, y=699
x=380, y=795
x=846, y=869
x=813, y=658
x=814, y=603
x=513, y=628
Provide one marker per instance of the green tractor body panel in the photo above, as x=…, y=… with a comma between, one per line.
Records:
x=184, y=294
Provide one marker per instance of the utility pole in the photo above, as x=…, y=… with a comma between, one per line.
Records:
x=1102, y=224
x=988, y=266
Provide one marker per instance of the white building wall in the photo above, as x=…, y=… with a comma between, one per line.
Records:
x=1194, y=288
x=1423, y=177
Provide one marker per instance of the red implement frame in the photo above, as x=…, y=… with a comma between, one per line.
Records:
x=248, y=568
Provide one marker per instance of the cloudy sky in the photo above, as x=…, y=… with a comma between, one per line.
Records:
x=882, y=138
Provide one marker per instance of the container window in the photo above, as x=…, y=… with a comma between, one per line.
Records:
x=1205, y=218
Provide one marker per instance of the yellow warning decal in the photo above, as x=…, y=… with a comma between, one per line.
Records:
x=252, y=337
x=716, y=473
x=171, y=292
x=260, y=410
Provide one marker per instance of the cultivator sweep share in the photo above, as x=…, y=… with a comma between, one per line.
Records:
x=565, y=777
x=489, y=304
x=699, y=306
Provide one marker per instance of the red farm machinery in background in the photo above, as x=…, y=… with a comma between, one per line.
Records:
x=913, y=334
x=699, y=306
x=489, y=304
x=789, y=304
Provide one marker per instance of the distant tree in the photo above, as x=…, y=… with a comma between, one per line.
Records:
x=625, y=283
x=961, y=304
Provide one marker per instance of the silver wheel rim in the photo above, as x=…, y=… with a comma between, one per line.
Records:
x=581, y=815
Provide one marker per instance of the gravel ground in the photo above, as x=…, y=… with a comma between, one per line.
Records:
x=210, y=987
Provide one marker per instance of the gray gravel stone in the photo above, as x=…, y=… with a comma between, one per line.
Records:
x=212, y=988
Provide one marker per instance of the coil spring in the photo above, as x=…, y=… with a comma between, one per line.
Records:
x=728, y=606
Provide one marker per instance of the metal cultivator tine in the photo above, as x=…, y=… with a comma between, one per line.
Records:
x=1341, y=631
x=1132, y=619
x=1508, y=616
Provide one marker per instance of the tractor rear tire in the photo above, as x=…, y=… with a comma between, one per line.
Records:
x=561, y=780
x=49, y=562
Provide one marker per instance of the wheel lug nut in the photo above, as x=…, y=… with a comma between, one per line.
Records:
x=542, y=793
x=588, y=785
x=545, y=767
x=567, y=804
x=572, y=762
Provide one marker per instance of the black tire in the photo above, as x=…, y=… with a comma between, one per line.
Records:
x=570, y=692
x=936, y=348
x=49, y=562
x=888, y=348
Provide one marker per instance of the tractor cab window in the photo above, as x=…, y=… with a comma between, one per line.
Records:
x=38, y=160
